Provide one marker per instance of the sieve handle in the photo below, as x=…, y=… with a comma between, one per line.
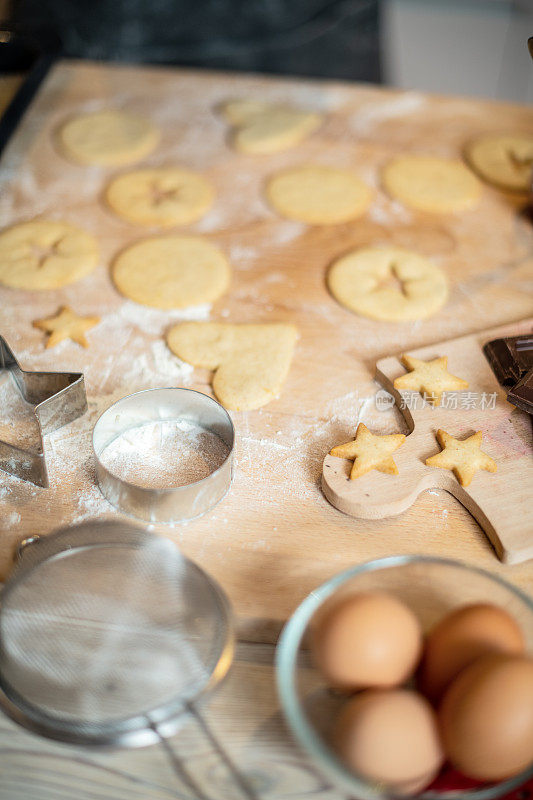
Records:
x=23, y=544
x=241, y=788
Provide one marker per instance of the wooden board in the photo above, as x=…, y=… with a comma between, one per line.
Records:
x=274, y=537
x=500, y=502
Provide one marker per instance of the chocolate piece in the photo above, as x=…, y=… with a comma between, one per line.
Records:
x=521, y=395
x=510, y=358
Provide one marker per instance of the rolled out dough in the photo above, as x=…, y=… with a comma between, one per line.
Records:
x=251, y=360
x=318, y=195
x=505, y=161
x=427, y=183
x=363, y=282
x=165, y=196
x=45, y=254
x=172, y=272
x=109, y=138
x=268, y=127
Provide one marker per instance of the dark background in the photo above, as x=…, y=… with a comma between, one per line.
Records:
x=329, y=38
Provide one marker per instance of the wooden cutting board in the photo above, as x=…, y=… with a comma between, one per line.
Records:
x=500, y=501
x=274, y=537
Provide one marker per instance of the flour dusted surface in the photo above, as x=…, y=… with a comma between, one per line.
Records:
x=273, y=537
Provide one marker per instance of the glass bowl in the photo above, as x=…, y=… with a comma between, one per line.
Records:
x=431, y=587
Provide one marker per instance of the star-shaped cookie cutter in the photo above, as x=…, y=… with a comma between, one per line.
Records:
x=58, y=397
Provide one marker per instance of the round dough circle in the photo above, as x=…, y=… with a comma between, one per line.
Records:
x=318, y=195
x=172, y=272
x=107, y=138
x=165, y=196
x=505, y=160
x=359, y=279
x=44, y=254
x=427, y=183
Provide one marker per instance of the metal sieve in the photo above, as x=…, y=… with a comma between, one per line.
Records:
x=110, y=636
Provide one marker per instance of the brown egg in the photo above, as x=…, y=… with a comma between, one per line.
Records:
x=460, y=638
x=366, y=640
x=390, y=736
x=486, y=718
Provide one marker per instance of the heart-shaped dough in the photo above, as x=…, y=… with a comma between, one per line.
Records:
x=267, y=127
x=251, y=360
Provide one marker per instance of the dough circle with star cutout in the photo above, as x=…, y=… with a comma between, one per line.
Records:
x=428, y=183
x=172, y=272
x=45, y=254
x=318, y=195
x=162, y=196
x=108, y=138
x=364, y=282
x=506, y=161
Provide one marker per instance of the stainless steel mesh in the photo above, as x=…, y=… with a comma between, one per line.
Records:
x=105, y=627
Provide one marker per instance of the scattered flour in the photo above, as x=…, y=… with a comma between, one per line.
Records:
x=152, y=321
x=90, y=503
x=376, y=111
x=387, y=212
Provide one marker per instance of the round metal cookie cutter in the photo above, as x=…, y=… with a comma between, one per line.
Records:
x=175, y=503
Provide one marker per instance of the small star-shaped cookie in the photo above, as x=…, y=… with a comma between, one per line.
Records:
x=464, y=457
x=370, y=451
x=66, y=325
x=430, y=378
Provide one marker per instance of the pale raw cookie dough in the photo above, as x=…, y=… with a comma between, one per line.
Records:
x=251, y=360
x=370, y=451
x=66, y=324
x=360, y=281
x=172, y=272
x=505, y=160
x=107, y=138
x=463, y=456
x=239, y=112
x=268, y=127
x=318, y=195
x=427, y=183
x=44, y=254
x=430, y=378
x=165, y=196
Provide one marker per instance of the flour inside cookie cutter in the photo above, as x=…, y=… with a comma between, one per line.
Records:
x=175, y=503
x=58, y=398
x=500, y=501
